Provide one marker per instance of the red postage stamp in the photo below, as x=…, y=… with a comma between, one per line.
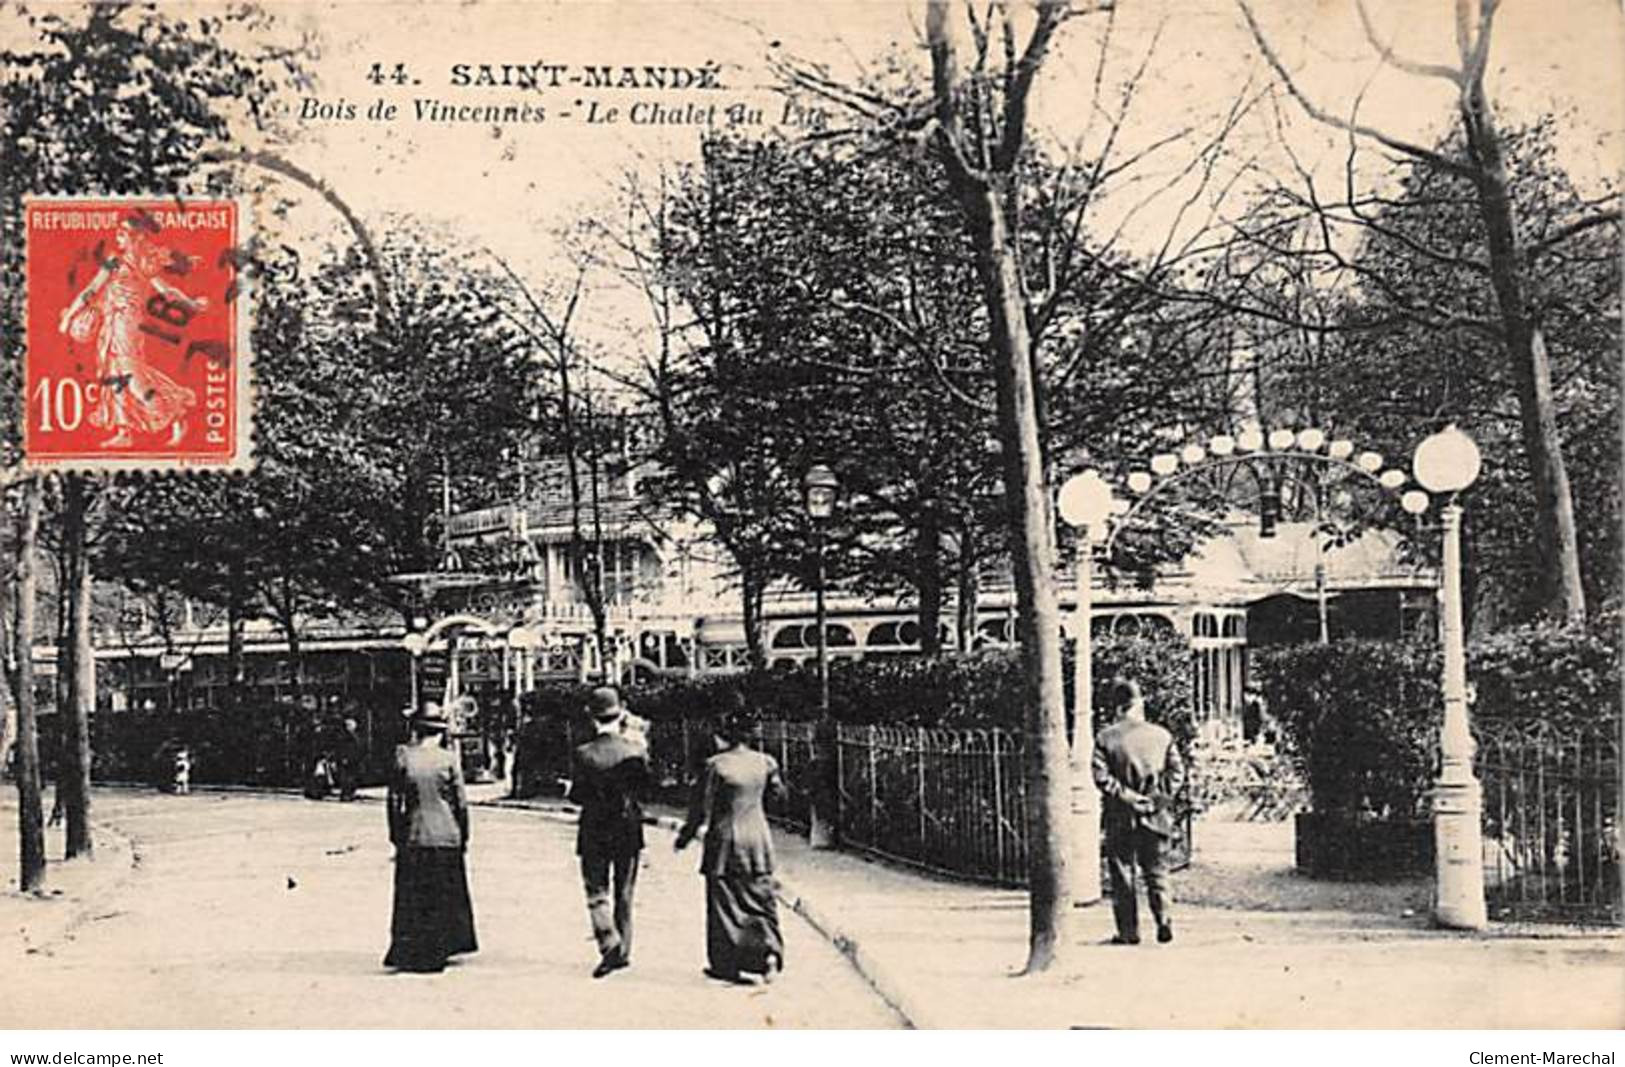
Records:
x=138, y=354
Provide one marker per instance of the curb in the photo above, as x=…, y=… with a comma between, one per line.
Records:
x=873, y=975
x=128, y=852
x=885, y=987
x=119, y=852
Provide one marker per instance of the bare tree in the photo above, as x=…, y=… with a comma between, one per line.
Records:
x=554, y=332
x=979, y=146
x=1484, y=166
x=1060, y=312
x=30, y=812
x=78, y=665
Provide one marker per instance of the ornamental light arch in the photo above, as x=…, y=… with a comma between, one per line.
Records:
x=1274, y=460
x=1279, y=462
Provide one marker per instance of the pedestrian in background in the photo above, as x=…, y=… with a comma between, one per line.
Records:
x=433, y=916
x=742, y=935
x=347, y=757
x=1138, y=770
x=608, y=777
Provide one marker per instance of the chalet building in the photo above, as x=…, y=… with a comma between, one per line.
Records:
x=512, y=608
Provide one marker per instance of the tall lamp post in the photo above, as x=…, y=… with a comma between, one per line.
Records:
x=1445, y=464
x=819, y=488
x=1085, y=503
x=415, y=646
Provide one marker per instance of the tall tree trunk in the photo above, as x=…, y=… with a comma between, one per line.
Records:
x=290, y=631
x=1557, y=547
x=30, y=813
x=928, y=579
x=8, y=672
x=750, y=592
x=1033, y=556
x=73, y=771
x=969, y=587
x=64, y=651
x=597, y=598
x=236, y=601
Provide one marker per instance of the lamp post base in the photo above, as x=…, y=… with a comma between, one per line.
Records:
x=820, y=832
x=1459, y=856
x=1085, y=841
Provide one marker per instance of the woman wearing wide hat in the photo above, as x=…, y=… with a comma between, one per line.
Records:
x=742, y=935
x=428, y=825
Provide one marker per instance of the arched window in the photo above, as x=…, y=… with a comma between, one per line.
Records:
x=1153, y=625
x=993, y=632
x=790, y=637
x=884, y=636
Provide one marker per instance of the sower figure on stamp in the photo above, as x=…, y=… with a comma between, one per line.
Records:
x=1139, y=771
x=608, y=778
x=135, y=395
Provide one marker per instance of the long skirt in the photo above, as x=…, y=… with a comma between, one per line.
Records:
x=741, y=923
x=433, y=918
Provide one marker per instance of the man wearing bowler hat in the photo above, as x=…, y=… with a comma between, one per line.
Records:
x=1138, y=769
x=608, y=777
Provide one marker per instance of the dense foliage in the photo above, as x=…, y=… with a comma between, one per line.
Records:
x=1406, y=334
x=979, y=689
x=1361, y=718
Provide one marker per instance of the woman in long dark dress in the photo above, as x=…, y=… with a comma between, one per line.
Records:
x=742, y=935
x=428, y=825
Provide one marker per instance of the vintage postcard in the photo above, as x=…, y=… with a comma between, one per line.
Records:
x=137, y=346
x=830, y=515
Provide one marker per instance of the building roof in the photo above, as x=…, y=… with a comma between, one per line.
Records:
x=1248, y=564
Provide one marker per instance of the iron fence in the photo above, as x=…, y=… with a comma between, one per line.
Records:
x=948, y=800
x=953, y=801
x=1551, y=821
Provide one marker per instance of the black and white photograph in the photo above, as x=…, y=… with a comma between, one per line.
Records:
x=706, y=515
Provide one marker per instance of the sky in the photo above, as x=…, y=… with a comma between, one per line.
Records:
x=508, y=188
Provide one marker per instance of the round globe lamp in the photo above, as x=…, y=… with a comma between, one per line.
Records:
x=1447, y=462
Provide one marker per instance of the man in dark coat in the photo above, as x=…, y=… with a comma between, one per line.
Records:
x=348, y=754
x=1139, y=771
x=608, y=777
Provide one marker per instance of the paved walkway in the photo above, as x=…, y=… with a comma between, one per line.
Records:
x=946, y=953
x=73, y=891
x=1247, y=954
x=1262, y=948
x=272, y=911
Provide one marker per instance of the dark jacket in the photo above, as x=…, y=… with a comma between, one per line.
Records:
x=1139, y=771
x=427, y=805
x=608, y=777
x=728, y=802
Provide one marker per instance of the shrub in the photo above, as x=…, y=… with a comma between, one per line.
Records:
x=975, y=690
x=1161, y=663
x=1358, y=718
x=1361, y=718
x=1560, y=675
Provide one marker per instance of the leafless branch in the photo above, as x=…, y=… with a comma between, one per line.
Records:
x=1398, y=62
x=1406, y=148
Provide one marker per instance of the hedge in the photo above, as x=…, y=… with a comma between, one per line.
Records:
x=1361, y=718
x=978, y=689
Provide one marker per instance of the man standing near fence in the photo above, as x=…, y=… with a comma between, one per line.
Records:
x=1138, y=770
x=608, y=777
